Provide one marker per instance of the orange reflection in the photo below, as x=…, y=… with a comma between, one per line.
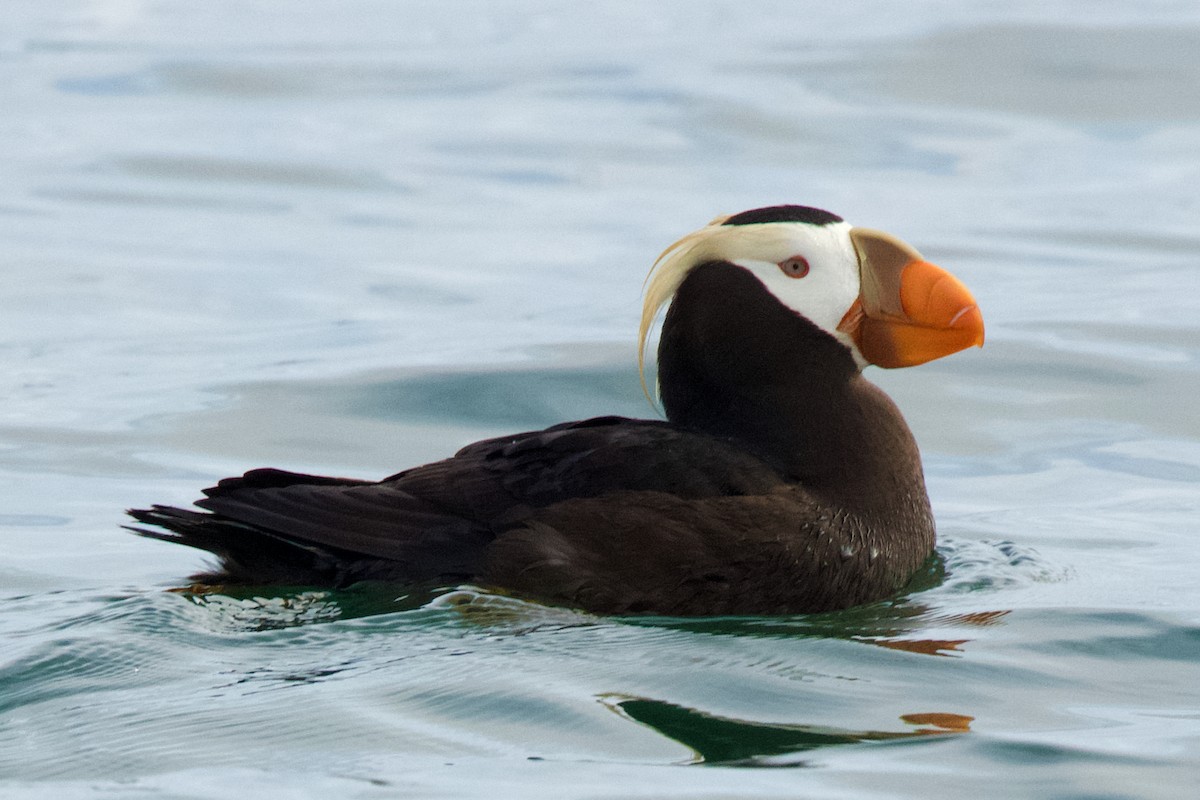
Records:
x=939, y=647
x=927, y=647
x=949, y=723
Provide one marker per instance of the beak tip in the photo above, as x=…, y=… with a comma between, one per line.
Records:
x=929, y=314
x=969, y=318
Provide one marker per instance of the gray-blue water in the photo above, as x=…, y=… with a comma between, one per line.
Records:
x=349, y=237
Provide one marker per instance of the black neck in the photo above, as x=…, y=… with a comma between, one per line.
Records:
x=735, y=362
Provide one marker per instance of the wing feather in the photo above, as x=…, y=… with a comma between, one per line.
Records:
x=440, y=519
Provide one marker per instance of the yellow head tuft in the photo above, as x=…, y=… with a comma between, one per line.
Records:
x=714, y=242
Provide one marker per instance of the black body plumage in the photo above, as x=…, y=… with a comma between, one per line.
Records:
x=783, y=482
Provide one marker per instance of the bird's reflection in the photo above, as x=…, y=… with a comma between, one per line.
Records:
x=727, y=741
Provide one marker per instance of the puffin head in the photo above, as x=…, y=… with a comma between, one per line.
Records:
x=871, y=293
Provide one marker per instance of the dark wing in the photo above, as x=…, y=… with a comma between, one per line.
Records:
x=437, y=521
x=587, y=459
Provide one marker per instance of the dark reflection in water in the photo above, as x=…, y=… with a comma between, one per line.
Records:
x=271, y=608
x=893, y=625
x=725, y=741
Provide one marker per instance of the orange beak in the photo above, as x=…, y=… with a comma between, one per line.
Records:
x=908, y=310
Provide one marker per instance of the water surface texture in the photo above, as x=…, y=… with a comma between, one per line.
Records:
x=352, y=236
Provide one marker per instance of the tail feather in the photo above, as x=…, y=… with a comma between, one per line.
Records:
x=247, y=555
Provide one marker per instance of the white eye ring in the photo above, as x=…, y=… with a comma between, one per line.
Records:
x=794, y=267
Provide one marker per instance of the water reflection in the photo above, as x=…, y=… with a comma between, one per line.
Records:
x=272, y=608
x=727, y=741
x=896, y=625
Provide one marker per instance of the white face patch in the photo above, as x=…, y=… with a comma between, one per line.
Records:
x=827, y=290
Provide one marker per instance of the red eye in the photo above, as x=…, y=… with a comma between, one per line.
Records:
x=794, y=267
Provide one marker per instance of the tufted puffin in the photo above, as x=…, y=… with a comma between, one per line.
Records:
x=781, y=481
